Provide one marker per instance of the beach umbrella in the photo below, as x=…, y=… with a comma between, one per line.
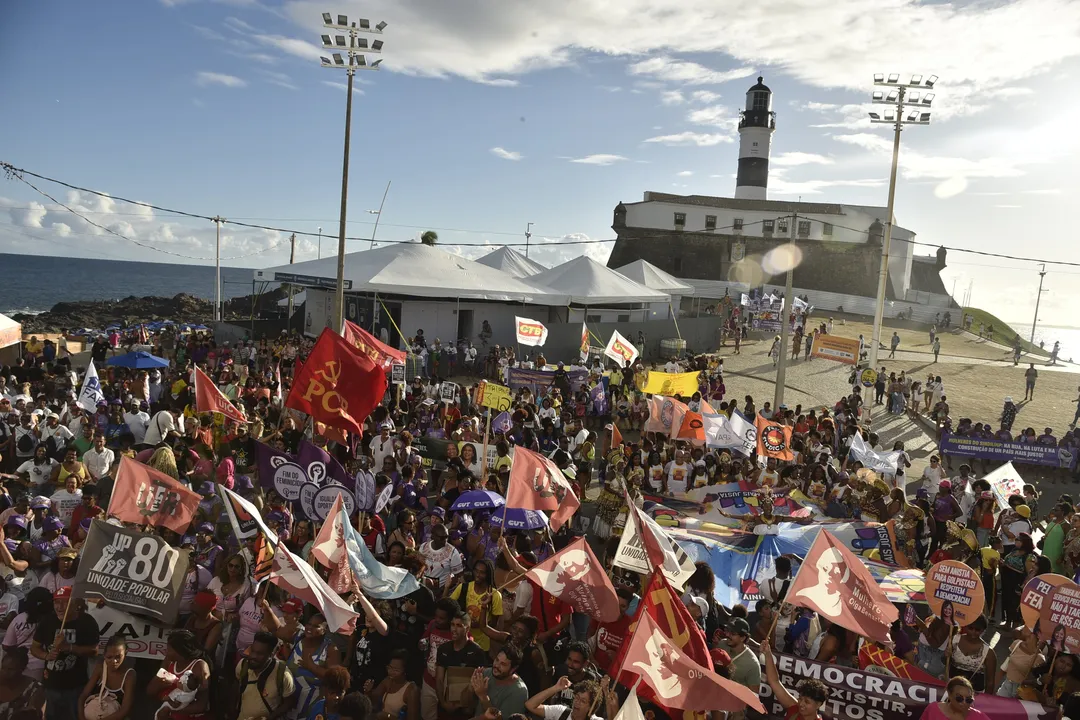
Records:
x=139, y=361
x=519, y=519
x=478, y=500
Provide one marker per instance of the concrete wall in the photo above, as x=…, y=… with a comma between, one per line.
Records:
x=701, y=335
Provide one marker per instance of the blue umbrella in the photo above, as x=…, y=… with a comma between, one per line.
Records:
x=478, y=500
x=519, y=519
x=138, y=360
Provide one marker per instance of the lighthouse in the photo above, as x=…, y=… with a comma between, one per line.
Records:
x=756, y=125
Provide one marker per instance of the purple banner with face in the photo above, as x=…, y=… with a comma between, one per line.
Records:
x=989, y=449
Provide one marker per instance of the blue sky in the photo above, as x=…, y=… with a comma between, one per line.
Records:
x=493, y=113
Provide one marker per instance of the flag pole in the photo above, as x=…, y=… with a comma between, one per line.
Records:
x=483, y=461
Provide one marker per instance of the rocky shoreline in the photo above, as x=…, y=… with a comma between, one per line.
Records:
x=131, y=311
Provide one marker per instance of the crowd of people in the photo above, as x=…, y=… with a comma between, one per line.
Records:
x=475, y=640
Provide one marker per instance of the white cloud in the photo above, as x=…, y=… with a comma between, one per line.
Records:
x=685, y=173
x=715, y=116
x=951, y=187
x=498, y=82
x=61, y=229
x=208, y=33
x=790, y=159
x=691, y=138
x=291, y=46
x=820, y=107
x=610, y=88
x=683, y=71
x=782, y=186
x=213, y=78
x=704, y=96
x=917, y=166
x=341, y=86
x=239, y=26
x=600, y=159
x=505, y=154
x=1009, y=207
x=279, y=79
x=672, y=97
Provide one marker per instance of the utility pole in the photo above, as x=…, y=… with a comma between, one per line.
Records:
x=528, y=235
x=1038, y=298
x=320, y=244
x=218, y=314
x=292, y=259
x=785, y=326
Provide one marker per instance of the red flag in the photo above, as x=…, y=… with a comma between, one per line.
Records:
x=692, y=428
x=329, y=550
x=874, y=656
x=145, y=496
x=336, y=434
x=575, y=576
x=536, y=483
x=295, y=576
x=337, y=386
x=209, y=399
x=835, y=583
x=678, y=681
x=773, y=439
x=380, y=353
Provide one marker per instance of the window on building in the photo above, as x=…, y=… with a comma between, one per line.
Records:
x=676, y=265
x=760, y=101
x=623, y=318
x=755, y=143
x=680, y=221
x=710, y=222
x=767, y=226
x=804, y=228
x=737, y=224
x=827, y=229
x=781, y=225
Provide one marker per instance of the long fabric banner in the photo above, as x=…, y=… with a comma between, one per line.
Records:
x=145, y=638
x=662, y=383
x=989, y=449
x=534, y=379
x=862, y=695
x=132, y=571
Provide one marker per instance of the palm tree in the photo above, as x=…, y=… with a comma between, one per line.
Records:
x=430, y=238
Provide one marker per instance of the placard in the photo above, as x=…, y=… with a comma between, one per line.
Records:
x=954, y=592
x=868, y=377
x=307, y=499
x=145, y=638
x=288, y=478
x=496, y=397
x=323, y=502
x=1034, y=595
x=397, y=374
x=132, y=571
x=832, y=347
x=448, y=392
x=1059, y=619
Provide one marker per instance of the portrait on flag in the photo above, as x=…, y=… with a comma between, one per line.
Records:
x=145, y=496
x=537, y=483
x=576, y=577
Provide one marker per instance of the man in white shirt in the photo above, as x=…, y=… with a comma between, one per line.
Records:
x=98, y=459
x=932, y=475
x=672, y=366
x=161, y=425
x=138, y=419
x=60, y=434
x=470, y=357
x=381, y=446
x=442, y=561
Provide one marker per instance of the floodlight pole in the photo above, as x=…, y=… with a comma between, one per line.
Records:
x=883, y=276
x=339, y=296
x=786, y=308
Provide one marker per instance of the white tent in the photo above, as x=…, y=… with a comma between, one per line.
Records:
x=414, y=269
x=647, y=274
x=298, y=299
x=587, y=282
x=512, y=263
x=10, y=332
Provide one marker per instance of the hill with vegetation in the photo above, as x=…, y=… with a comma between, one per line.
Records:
x=1003, y=332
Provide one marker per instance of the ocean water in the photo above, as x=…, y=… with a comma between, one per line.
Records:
x=1069, y=337
x=31, y=283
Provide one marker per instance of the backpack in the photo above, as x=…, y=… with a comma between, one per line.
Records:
x=277, y=667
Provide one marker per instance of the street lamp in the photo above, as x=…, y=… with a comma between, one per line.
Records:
x=348, y=51
x=320, y=243
x=913, y=99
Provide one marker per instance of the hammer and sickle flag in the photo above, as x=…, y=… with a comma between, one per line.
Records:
x=338, y=386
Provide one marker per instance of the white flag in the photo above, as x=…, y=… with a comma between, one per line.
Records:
x=719, y=432
x=800, y=304
x=632, y=555
x=91, y=394
x=745, y=430
x=530, y=332
x=584, y=343
x=631, y=708
x=885, y=463
x=744, y=299
x=620, y=350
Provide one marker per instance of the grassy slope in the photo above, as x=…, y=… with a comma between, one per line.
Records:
x=1003, y=333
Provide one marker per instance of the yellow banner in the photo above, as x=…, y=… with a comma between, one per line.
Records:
x=659, y=383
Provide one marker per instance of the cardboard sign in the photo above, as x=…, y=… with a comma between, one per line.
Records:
x=397, y=374
x=496, y=397
x=448, y=392
x=955, y=593
x=132, y=571
x=1034, y=595
x=1059, y=619
x=323, y=502
x=831, y=347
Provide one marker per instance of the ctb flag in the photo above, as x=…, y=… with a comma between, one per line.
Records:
x=621, y=350
x=380, y=353
x=536, y=483
x=773, y=439
x=145, y=496
x=530, y=332
x=584, y=343
x=835, y=583
x=338, y=386
x=209, y=399
x=576, y=577
x=677, y=680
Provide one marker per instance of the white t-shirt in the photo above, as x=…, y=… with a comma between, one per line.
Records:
x=381, y=449
x=441, y=563
x=671, y=367
x=20, y=633
x=65, y=503
x=678, y=476
x=39, y=474
x=62, y=434
x=9, y=603
x=161, y=425
x=137, y=423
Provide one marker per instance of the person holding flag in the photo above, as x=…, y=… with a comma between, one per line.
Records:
x=812, y=693
x=587, y=696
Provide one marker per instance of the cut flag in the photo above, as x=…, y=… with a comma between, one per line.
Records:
x=576, y=577
x=209, y=399
x=621, y=350
x=836, y=583
x=530, y=332
x=773, y=439
x=676, y=679
x=329, y=549
x=145, y=496
x=380, y=353
x=584, y=343
x=90, y=394
x=337, y=386
x=692, y=426
x=537, y=483
x=631, y=708
x=616, y=436
x=665, y=415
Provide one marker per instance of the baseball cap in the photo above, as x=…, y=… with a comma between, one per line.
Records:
x=52, y=523
x=738, y=625
x=205, y=528
x=1023, y=511
x=720, y=658
x=62, y=593
x=187, y=540
x=945, y=485
x=67, y=553
x=292, y=606
x=40, y=503
x=243, y=482
x=16, y=521
x=438, y=512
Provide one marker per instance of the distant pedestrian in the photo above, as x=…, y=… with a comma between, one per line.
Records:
x=1076, y=417
x=1030, y=375
x=933, y=333
x=774, y=351
x=895, y=344
x=937, y=348
x=810, y=345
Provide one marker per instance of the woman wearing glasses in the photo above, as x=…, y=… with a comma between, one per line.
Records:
x=957, y=703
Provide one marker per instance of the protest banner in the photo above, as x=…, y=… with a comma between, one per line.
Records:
x=990, y=449
x=631, y=553
x=145, y=638
x=279, y=471
x=537, y=380
x=954, y=592
x=1034, y=595
x=435, y=452
x=323, y=501
x=767, y=320
x=132, y=571
x=831, y=347
x=1059, y=619
x=496, y=397
x=145, y=496
x=662, y=383
x=397, y=374
x=867, y=695
x=885, y=463
x=1005, y=482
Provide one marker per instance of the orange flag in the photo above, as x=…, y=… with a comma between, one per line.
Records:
x=536, y=483
x=146, y=496
x=773, y=439
x=209, y=399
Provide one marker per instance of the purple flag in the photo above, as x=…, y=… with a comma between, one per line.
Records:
x=501, y=423
x=599, y=399
x=267, y=459
x=321, y=467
